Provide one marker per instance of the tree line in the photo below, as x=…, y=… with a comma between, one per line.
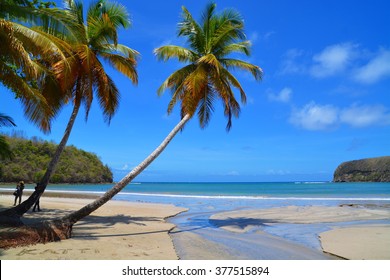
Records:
x=31, y=156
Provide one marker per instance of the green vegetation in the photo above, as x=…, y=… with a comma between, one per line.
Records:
x=31, y=157
x=364, y=170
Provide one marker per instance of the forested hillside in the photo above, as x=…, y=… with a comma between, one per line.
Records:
x=31, y=157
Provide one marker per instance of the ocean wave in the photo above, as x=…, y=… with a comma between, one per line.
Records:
x=309, y=182
x=243, y=197
x=237, y=197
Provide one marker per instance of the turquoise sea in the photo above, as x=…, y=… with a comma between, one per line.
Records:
x=206, y=199
x=262, y=190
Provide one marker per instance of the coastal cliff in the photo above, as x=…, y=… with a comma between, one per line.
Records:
x=364, y=170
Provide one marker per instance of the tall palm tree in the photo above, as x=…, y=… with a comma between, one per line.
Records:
x=91, y=40
x=196, y=86
x=5, y=150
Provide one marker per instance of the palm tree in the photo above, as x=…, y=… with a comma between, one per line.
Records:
x=196, y=86
x=90, y=40
x=5, y=150
x=22, y=56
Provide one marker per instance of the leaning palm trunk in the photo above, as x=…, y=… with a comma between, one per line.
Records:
x=60, y=229
x=12, y=216
x=72, y=218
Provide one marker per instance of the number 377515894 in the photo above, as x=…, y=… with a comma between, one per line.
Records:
x=237, y=270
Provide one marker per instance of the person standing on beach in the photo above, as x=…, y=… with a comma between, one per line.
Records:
x=36, y=204
x=19, y=192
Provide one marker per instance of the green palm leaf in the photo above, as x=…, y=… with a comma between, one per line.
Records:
x=206, y=78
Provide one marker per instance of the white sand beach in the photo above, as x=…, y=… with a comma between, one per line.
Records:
x=118, y=230
x=358, y=242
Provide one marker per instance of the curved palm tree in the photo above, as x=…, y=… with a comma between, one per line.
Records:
x=82, y=73
x=196, y=86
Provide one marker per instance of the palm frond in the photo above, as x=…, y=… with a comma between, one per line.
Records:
x=117, y=14
x=62, y=23
x=120, y=49
x=107, y=93
x=256, y=71
x=176, y=82
x=6, y=120
x=212, y=61
x=5, y=149
x=13, y=50
x=101, y=31
x=40, y=43
x=103, y=21
x=34, y=104
x=208, y=25
x=182, y=54
x=234, y=82
x=194, y=85
x=206, y=107
x=190, y=29
x=75, y=8
x=125, y=65
x=241, y=47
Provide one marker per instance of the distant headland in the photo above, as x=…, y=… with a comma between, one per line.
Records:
x=31, y=157
x=364, y=170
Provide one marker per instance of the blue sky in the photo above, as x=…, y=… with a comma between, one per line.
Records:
x=324, y=98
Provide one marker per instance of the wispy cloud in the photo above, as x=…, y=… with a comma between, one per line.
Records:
x=125, y=167
x=363, y=116
x=278, y=172
x=376, y=69
x=233, y=173
x=290, y=63
x=283, y=96
x=333, y=60
x=315, y=117
x=328, y=117
x=347, y=59
x=253, y=37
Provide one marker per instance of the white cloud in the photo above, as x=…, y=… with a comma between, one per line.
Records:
x=345, y=59
x=268, y=35
x=375, y=69
x=125, y=167
x=333, y=60
x=278, y=172
x=283, y=96
x=315, y=117
x=326, y=117
x=290, y=64
x=233, y=173
x=254, y=37
x=363, y=116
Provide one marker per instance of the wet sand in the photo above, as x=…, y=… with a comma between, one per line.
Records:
x=349, y=242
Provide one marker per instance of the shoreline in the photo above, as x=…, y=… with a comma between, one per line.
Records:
x=209, y=230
